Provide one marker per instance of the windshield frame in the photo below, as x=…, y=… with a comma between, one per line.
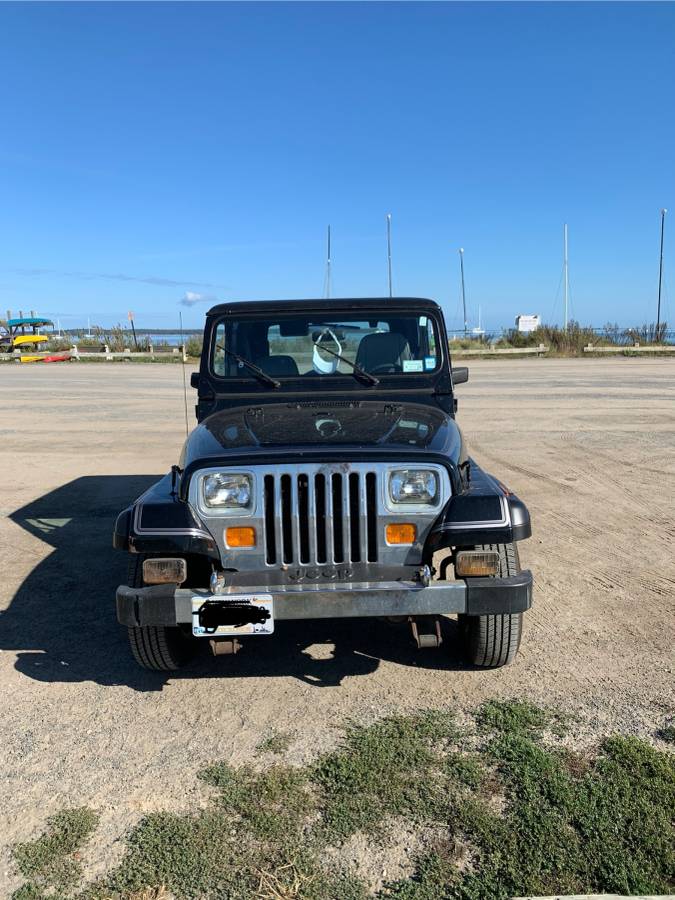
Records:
x=345, y=382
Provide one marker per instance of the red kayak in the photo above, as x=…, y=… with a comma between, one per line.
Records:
x=58, y=357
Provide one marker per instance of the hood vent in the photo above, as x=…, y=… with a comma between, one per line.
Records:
x=326, y=404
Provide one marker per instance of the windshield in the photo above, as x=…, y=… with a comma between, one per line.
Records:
x=321, y=346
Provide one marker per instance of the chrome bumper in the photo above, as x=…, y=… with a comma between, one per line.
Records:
x=168, y=605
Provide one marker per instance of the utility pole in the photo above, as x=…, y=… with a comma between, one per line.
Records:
x=328, y=267
x=461, y=265
x=566, y=274
x=389, y=251
x=658, y=308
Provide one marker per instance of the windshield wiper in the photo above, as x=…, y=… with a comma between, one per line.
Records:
x=257, y=371
x=361, y=373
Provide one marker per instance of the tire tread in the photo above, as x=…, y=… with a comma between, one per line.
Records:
x=492, y=641
x=157, y=647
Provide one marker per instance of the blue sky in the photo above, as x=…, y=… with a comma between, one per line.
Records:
x=153, y=151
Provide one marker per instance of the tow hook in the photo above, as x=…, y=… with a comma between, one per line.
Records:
x=217, y=582
x=423, y=575
x=426, y=631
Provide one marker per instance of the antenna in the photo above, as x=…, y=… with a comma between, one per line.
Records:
x=566, y=270
x=328, y=261
x=658, y=308
x=182, y=355
x=389, y=251
x=461, y=265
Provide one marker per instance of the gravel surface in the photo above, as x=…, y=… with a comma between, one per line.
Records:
x=588, y=444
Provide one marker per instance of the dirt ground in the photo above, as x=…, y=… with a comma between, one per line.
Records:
x=588, y=444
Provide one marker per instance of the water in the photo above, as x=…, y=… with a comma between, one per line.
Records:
x=173, y=339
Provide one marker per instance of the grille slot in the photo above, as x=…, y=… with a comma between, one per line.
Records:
x=354, y=522
x=316, y=518
x=286, y=518
x=371, y=519
x=270, y=512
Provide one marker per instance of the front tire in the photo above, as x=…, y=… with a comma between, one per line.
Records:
x=158, y=647
x=492, y=641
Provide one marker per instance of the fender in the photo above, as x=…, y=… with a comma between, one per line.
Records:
x=485, y=512
x=160, y=522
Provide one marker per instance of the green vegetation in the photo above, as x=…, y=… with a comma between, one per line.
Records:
x=193, y=346
x=390, y=768
x=277, y=742
x=513, y=811
x=50, y=863
x=570, y=342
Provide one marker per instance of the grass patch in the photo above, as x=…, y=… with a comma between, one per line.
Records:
x=519, y=717
x=49, y=863
x=390, y=768
x=528, y=817
x=570, y=824
x=277, y=743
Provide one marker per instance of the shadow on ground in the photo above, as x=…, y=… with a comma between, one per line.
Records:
x=62, y=619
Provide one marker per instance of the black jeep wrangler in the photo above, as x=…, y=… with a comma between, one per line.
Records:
x=327, y=477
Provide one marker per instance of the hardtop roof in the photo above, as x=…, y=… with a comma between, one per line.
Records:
x=341, y=304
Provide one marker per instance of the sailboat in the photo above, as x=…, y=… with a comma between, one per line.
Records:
x=479, y=331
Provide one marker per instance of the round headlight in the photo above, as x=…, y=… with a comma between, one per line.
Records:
x=413, y=486
x=227, y=491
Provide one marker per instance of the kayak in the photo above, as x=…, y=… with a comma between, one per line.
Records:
x=57, y=357
x=26, y=359
x=36, y=321
x=22, y=340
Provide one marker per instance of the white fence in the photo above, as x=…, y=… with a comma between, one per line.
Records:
x=173, y=353
x=539, y=350
x=632, y=348
x=177, y=354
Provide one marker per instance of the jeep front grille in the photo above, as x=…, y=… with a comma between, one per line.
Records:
x=314, y=515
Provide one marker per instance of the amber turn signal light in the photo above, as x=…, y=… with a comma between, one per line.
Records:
x=469, y=563
x=240, y=537
x=164, y=571
x=401, y=533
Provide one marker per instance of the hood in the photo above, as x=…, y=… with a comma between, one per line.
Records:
x=360, y=425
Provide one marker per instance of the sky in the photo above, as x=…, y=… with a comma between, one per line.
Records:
x=159, y=157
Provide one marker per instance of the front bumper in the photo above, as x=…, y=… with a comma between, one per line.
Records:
x=168, y=605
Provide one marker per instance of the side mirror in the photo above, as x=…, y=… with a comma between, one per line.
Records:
x=194, y=380
x=460, y=374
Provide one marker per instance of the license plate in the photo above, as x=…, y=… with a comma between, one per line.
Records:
x=232, y=614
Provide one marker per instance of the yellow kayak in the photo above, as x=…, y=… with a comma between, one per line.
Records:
x=25, y=358
x=24, y=339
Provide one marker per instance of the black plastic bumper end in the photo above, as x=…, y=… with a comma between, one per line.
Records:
x=499, y=596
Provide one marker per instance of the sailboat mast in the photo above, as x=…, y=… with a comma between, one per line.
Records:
x=389, y=252
x=328, y=273
x=461, y=265
x=566, y=274
x=658, y=308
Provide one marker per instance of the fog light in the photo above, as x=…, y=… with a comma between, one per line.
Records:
x=240, y=537
x=401, y=533
x=469, y=563
x=164, y=571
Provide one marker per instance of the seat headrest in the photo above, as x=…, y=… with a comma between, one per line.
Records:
x=385, y=349
x=276, y=366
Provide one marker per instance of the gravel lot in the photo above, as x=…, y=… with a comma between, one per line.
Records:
x=589, y=444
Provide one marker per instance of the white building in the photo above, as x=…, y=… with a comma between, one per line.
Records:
x=525, y=324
